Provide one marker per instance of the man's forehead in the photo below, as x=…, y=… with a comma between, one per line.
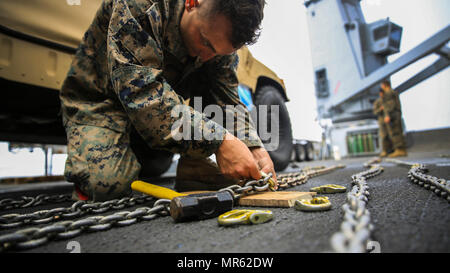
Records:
x=217, y=31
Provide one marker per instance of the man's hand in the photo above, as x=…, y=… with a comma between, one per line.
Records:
x=387, y=119
x=264, y=162
x=235, y=159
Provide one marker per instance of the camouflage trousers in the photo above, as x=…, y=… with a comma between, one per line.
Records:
x=102, y=165
x=100, y=162
x=386, y=144
x=391, y=134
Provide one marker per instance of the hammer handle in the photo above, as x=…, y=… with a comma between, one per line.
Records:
x=155, y=191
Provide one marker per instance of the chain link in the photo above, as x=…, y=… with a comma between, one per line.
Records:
x=285, y=180
x=356, y=227
x=417, y=175
x=28, y=201
x=34, y=237
x=78, y=209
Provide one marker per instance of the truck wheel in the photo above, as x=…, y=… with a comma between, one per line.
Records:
x=309, y=151
x=294, y=157
x=300, y=152
x=281, y=155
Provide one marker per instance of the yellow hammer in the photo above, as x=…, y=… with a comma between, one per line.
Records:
x=154, y=190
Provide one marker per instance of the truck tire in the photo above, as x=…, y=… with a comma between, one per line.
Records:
x=309, y=151
x=294, y=157
x=281, y=156
x=299, y=152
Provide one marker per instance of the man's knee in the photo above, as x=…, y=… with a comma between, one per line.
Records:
x=100, y=162
x=110, y=181
x=114, y=187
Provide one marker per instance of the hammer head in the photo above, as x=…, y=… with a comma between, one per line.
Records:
x=200, y=206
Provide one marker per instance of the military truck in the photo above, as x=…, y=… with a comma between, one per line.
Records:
x=38, y=40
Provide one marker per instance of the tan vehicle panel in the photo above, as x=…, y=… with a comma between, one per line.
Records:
x=52, y=20
x=59, y=22
x=250, y=70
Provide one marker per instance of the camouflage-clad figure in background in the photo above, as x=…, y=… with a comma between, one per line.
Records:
x=131, y=69
x=386, y=144
x=388, y=110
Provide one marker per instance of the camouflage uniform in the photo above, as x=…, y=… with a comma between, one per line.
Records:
x=132, y=69
x=386, y=144
x=394, y=129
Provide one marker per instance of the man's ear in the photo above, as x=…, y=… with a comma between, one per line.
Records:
x=189, y=4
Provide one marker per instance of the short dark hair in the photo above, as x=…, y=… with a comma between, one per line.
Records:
x=245, y=17
x=386, y=82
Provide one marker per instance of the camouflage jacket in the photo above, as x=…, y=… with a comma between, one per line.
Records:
x=391, y=103
x=133, y=68
x=377, y=109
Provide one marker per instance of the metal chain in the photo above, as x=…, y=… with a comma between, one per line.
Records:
x=250, y=187
x=285, y=180
x=34, y=237
x=293, y=179
x=28, y=201
x=356, y=227
x=417, y=175
x=78, y=209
